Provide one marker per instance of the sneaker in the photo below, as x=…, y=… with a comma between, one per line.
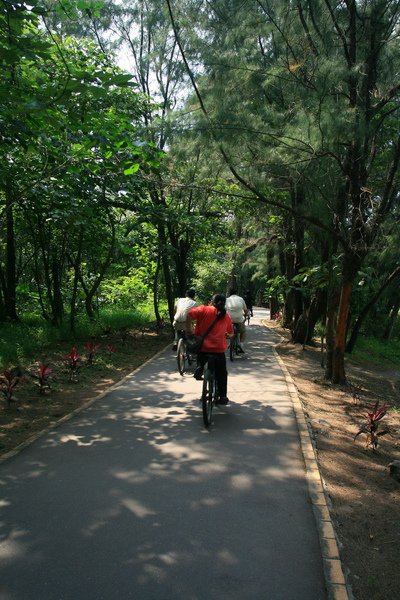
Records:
x=198, y=374
x=223, y=400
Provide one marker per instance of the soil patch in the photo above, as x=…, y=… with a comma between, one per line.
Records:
x=364, y=499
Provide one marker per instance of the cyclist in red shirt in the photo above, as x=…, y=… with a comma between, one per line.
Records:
x=215, y=342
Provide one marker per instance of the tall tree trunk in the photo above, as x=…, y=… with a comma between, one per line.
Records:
x=58, y=302
x=330, y=333
x=304, y=329
x=76, y=265
x=10, y=301
x=166, y=271
x=2, y=295
x=155, y=290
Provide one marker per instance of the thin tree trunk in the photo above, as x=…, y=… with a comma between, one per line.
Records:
x=392, y=320
x=10, y=300
x=361, y=317
x=155, y=290
x=76, y=265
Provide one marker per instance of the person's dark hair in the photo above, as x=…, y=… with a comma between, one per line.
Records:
x=218, y=300
x=190, y=293
x=232, y=291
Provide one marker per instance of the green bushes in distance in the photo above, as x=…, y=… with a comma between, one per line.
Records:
x=31, y=337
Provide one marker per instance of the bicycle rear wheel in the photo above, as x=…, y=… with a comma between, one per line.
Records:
x=231, y=350
x=233, y=347
x=207, y=399
x=181, y=356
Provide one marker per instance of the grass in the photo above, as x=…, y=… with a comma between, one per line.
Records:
x=31, y=337
x=370, y=349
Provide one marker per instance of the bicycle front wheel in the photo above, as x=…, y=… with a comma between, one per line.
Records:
x=181, y=356
x=207, y=400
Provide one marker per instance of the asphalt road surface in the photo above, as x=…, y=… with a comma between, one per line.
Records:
x=134, y=499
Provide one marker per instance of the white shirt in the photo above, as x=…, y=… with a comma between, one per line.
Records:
x=182, y=307
x=235, y=305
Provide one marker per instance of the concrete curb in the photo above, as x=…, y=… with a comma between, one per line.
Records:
x=76, y=411
x=333, y=570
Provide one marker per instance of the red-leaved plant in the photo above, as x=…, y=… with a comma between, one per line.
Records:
x=43, y=375
x=111, y=349
x=73, y=359
x=91, y=348
x=9, y=381
x=371, y=425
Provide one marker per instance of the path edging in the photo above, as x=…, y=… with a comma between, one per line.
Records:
x=333, y=570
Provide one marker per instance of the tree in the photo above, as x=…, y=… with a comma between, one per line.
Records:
x=315, y=90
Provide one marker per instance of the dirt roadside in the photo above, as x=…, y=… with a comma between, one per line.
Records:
x=364, y=499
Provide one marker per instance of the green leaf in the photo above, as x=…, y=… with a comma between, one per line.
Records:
x=132, y=169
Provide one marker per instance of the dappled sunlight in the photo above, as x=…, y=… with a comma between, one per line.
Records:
x=209, y=469
x=101, y=521
x=182, y=452
x=133, y=477
x=205, y=503
x=78, y=439
x=13, y=547
x=242, y=482
x=136, y=508
x=227, y=557
x=258, y=432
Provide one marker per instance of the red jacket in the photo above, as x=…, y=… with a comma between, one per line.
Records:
x=216, y=340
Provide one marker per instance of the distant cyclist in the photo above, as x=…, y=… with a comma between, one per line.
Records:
x=249, y=302
x=237, y=309
x=215, y=342
x=181, y=309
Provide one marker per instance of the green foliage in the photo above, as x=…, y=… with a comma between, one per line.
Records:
x=277, y=286
x=211, y=277
x=371, y=349
x=30, y=338
x=126, y=291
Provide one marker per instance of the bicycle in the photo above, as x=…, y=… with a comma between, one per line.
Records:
x=209, y=395
x=182, y=355
x=234, y=343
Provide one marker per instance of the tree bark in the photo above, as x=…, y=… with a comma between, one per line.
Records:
x=10, y=300
x=339, y=374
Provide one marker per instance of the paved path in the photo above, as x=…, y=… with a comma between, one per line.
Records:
x=134, y=499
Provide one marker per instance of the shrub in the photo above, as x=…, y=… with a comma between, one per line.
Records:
x=371, y=425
